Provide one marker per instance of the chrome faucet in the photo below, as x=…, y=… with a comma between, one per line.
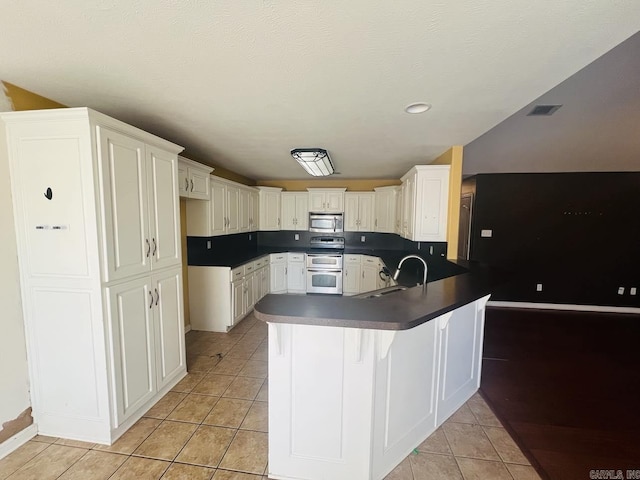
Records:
x=424, y=277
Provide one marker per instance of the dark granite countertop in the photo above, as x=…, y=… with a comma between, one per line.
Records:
x=400, y=310
x=410, y=274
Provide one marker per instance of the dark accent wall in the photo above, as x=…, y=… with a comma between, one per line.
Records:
x=223, y=244
x=576, y=233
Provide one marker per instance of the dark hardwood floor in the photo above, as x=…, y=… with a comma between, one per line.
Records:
x=567, y=387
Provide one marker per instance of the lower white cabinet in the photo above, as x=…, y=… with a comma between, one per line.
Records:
x=370, y=270
x=351, y=274
x=278, y=273
x=296, y=273
x=361, y=273
x=220, y=297
x=146, y=320
x=348, y=403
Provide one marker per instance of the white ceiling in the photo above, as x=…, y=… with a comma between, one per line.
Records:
x=242, y=82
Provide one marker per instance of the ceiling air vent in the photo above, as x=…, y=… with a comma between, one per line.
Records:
x=544, y=110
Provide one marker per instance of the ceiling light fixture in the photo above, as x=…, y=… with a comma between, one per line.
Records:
x=315, y=161
x=419, y=107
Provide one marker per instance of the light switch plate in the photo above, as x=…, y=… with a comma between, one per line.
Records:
x=620, y=290
x=208, y=244
x=538, y=287
x=362, y=238
x=296, y=236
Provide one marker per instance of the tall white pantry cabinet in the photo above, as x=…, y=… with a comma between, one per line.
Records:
x=98, y=228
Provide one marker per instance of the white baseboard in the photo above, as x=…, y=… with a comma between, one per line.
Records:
x=567, y=307
x=187, y=328
x=19, y=439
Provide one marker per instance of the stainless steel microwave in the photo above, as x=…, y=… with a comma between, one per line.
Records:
x=326, y=222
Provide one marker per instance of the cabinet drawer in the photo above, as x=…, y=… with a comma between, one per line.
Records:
x=369, y=260
x=295, y=257
x=277, y=257
x=261, y=262
x=237, y=273
x=249, y=267
x=352, y=258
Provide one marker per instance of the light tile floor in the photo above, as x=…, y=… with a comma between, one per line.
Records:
x=213, y=425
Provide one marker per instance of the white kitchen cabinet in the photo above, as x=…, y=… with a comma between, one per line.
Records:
x=248, y=209
x=426, y=201
x=326, y=200
x=229, y=211
x=193, y=179
x=146, y=318
x=254, y=210
x=295, y=211
x=141, y=207
x=370, y=270
x=351, y=274
x=278, y=273
x=269, y=208
x=385, y=209
x=296, y=273
x=98, y=232
x=358, y=211
x=399, y=218
x=219, y=297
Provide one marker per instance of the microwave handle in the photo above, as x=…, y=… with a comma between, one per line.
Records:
x=334, y=224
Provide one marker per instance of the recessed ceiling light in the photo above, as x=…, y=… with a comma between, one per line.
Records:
x=419, y=107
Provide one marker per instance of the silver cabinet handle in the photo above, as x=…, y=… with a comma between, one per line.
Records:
x=192, y=185
x=151, y=302
x=148, y=247
x=363, y=274
x=375, y=223
x=278, y=222
x=186, y=184
x=155, y=246
x=285, y=270
x=157, y=296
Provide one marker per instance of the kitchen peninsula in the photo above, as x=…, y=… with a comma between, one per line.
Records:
x=355, y=384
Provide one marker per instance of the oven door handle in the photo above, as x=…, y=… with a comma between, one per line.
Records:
x=319, y=270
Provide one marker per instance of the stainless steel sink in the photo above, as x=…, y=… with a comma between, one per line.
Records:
x=381, y=292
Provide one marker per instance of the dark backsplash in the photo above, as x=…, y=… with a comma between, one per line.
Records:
x=247, y=242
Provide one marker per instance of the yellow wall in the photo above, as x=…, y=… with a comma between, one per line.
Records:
x=25, y=100
x=453, y=157
x=351, y=185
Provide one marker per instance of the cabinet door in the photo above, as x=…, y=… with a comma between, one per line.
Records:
x=125, y=204
x=385, y=211
x=369, y=274
x=250, y=290
x=288, y=211
x=335, y=202
x=365, y=212
x=351, y=278
x=317, y=202
x=269, y=211
x=408, y=208
x=296, y=277
x=264, y=280
x=134, y=361
x=460, y=335
x=399, y=210
x=164, y=208
x=233, y=209
x=183, y=180
x=302, y=211
x=169, y=325
x=218, y=208
x=351, y=218
x=255, y=211
x=278, y=276
x=244, y=208
x=432, y=201
x=198, y=184
x=237, y=301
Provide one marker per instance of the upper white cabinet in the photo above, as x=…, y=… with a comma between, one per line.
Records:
x=385, y=209
x=269, y=210
x=295, y=211
x=425, y=203
x=193, y=179
x=326, y=200
x=98, y=232
x=358, y=211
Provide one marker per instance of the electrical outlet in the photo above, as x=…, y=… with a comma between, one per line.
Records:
x=486, y=233
x=538, y=287
x=296, y=236
x=632, y=291
x=208, y=244
x=362, y=238
x=431, y=250
x=249, y=237
x=620, y=290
